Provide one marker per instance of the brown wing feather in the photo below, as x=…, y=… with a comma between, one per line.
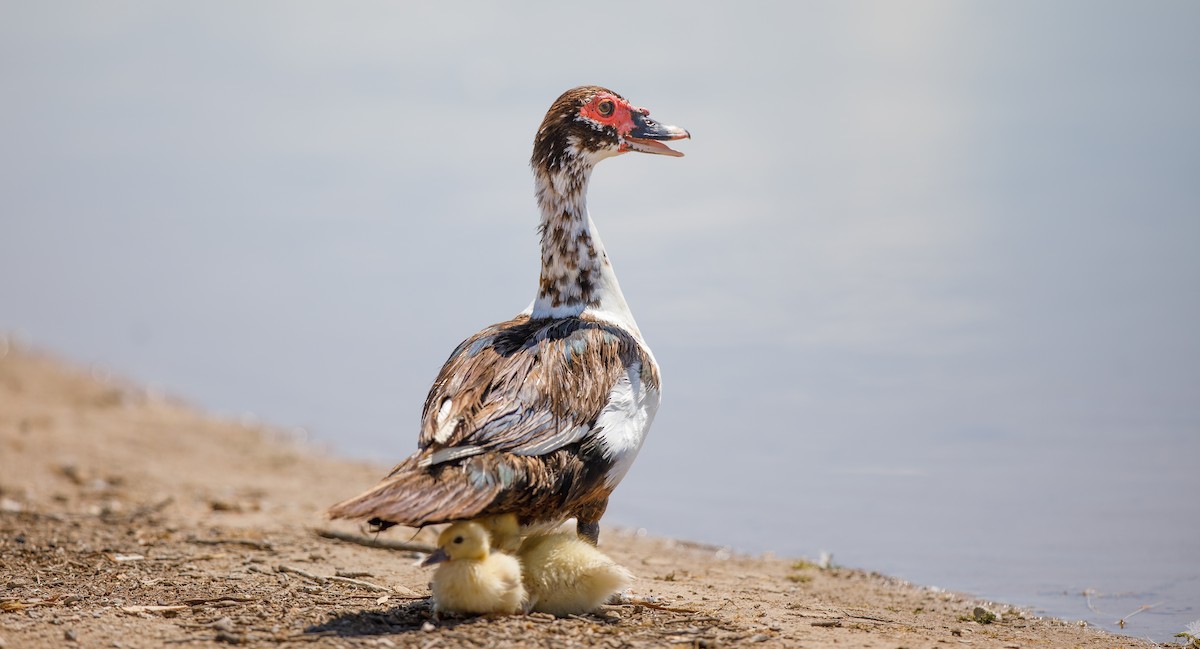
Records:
x=523, y=396
x=549, y=487
x=528, y=386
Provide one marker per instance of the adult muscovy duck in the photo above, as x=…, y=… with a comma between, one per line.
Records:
x=542, y=415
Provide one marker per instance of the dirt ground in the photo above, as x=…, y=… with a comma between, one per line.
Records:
x=128, y=519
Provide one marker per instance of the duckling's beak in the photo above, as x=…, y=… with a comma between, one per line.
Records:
x=439, y=555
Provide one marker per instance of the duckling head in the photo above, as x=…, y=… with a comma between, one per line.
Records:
x=504, y=529
x=465, y=540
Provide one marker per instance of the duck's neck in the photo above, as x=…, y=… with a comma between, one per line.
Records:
x=576, y=274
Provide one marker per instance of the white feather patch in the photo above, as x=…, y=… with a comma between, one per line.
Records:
x=625, y=420
x=445, y=428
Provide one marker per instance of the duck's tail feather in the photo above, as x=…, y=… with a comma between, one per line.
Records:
x=415, y=496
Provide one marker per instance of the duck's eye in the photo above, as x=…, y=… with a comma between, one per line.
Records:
x=606, y=108
x=458, y=539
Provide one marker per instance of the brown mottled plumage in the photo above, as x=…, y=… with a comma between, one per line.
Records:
x=509, y=441
x=573, y=362
x=541, y=415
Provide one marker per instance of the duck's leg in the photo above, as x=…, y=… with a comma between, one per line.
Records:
x=587, y=520
x=590, y=532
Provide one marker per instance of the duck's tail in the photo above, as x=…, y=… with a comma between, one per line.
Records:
x=539, y=488
x=415, y=496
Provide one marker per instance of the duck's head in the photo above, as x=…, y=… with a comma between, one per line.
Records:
x=590, y=123
x=465, y=540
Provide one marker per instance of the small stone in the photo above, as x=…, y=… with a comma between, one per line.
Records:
x=229, y=638
x=224, y=624
x=70, y=635
x=762, y=637
x=983, y=616
x=428, y=627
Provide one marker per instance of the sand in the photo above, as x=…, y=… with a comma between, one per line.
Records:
x=129, y=519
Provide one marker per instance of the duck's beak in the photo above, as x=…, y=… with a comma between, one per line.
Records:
x=439, y=555
x=647, y=135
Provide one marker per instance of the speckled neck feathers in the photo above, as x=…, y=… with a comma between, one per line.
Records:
x=576, y=275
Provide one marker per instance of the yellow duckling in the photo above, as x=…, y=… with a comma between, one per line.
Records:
x=472, y=579
x=505, y=531
x=565, y=575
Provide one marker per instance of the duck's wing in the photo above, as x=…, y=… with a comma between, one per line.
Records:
x=528, y=387
x=499, y=424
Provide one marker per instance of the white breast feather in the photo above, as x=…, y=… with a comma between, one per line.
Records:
x=624, y=421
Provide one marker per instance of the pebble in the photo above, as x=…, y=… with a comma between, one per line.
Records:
x=428, y=627
x=983, y=616
x=70, y=635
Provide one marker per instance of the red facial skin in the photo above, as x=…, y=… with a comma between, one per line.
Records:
x=621, y=118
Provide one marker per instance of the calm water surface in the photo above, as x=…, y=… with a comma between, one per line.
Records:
x=923, y=289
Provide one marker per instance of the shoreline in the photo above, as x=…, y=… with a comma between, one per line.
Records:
x=129, y=519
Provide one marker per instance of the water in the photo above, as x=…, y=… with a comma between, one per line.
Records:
x=923, y=289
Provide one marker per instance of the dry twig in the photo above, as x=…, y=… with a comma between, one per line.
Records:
x=303, y=573
x=370, y=541
x=660, y=607
x=153, y=609
x=360, y=583
x=1145, y=607
x=257, y=545
x=224, y=598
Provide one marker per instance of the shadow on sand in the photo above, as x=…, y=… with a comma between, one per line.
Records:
x=406, y=618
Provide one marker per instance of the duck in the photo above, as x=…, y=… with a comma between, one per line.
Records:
x=565, y=575
x=471, y=579
x=543, y=414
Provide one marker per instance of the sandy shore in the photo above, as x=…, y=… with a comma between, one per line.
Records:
x=131, y=520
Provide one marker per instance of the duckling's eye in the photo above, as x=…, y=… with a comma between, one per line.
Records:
x=606, y=108
x=458, y=539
